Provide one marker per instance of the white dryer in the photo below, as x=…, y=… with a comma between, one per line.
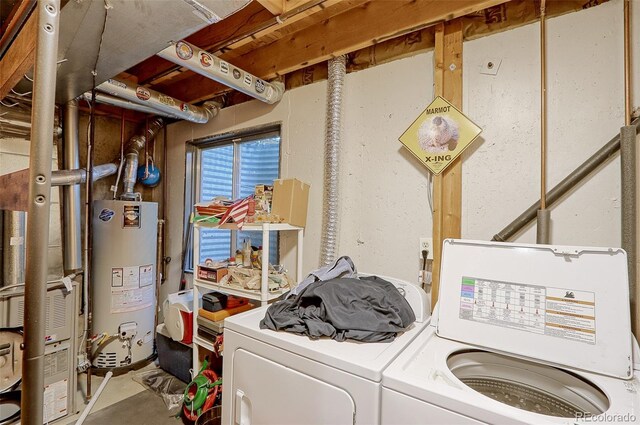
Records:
x=282, y=378
x=522, y=334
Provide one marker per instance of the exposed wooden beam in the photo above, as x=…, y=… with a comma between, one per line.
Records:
x=447, y=186
x=274, y=6
x=255, y=37
x=14, y=191
x=17, y=16
x=20, y=57
x=376, y=21
x=325, y=10
x=279, y=7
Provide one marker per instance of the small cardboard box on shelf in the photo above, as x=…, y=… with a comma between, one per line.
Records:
x=290, y=201
x=212, y=274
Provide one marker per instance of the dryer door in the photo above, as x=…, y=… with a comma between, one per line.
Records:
x=263, y=390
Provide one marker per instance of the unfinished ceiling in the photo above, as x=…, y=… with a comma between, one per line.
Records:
x=284, y=39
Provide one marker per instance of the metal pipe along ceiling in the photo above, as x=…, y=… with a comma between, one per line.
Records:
x=125, y=104
x=202, y=62
x=158, y=101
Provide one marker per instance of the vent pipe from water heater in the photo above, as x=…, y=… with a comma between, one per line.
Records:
x=135, y=145
x=337, y=72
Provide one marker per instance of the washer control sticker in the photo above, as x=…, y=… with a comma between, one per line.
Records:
x=561, y=313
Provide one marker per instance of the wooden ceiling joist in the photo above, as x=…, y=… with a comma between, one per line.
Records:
x=280, y=7
x=20, y=57
x=354, y=29
x=260, y=28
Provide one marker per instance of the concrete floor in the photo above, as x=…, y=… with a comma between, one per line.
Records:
x=118, y=388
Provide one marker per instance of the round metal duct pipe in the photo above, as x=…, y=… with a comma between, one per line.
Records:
x=14, y=225
x=204, y=63
x=337, y=72
x=74, y=177
x=158, y=101
x=125, y=104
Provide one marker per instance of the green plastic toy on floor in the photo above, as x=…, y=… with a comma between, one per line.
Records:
x=201, y=393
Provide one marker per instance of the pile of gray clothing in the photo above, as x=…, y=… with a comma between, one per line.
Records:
x=334, y=302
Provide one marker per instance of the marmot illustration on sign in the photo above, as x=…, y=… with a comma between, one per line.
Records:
x=438, y=135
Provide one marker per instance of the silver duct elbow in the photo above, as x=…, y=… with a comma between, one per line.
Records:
x=135, y=145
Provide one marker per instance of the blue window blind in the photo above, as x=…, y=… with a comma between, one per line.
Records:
x=233, y=168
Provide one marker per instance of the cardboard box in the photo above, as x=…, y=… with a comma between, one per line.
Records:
x=211, y=274
x=290, y=201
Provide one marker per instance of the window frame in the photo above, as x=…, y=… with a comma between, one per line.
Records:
x=193, y=160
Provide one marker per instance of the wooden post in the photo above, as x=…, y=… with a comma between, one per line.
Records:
x=447, y=187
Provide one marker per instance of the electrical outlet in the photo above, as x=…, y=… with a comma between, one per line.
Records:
x=426, y=243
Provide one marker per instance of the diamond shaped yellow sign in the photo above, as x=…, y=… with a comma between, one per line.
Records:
x=439, y=135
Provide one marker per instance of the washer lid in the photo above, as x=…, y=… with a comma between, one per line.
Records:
x=566, y=306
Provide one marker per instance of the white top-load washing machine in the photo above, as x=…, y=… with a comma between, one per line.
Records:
x=522, y=334
x=282, y=378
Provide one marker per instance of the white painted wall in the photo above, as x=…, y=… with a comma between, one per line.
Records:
x=384, y=207
x=585, y=110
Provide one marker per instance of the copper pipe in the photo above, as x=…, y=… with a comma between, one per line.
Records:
x=146, y=146
x=543, y=107
x=122, y=127
x=627, y=63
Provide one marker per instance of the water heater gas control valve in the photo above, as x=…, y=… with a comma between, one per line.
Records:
x=127, y=330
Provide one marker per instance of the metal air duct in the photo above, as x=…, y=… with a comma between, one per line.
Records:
x=14, y=248
x=75, y=177
x=158, y=101
x=202, y=62
x=125, y=104
x=72, y=228
x=337, y=72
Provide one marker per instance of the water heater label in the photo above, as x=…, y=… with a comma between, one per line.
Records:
x=131, y=215
x=567, y=314
x=130, y=288
x=146, y=275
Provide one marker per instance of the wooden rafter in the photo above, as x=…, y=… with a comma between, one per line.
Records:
x=279, y=7
x=20, y=57
x=376, y=21
x=262, y=28
x=13, y=21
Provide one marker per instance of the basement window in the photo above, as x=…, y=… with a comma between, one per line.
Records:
x=231, y=165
